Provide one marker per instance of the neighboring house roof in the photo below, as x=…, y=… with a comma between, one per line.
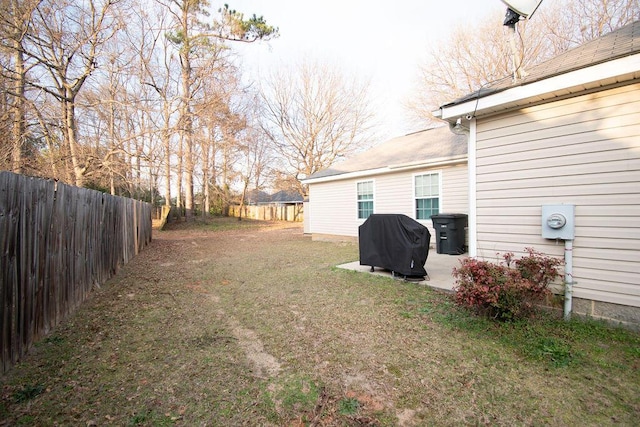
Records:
x=260, y=197
x=591, y=66
x=435, y=146
x=257, y=196
x=284, y=196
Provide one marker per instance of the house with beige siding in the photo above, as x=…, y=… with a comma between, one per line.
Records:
x=418, y=175
x=566, y=134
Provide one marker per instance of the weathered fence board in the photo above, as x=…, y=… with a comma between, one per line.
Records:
x=293, y=213
x=57, y=243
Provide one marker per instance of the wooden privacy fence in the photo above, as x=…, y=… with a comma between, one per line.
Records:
x=56, y=243
x=288, y=212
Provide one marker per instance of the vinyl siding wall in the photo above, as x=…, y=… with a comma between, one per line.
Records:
x=334, y=205
x=583, y=151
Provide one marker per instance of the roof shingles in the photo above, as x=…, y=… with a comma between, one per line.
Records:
x=620, y=43
x=423, y=146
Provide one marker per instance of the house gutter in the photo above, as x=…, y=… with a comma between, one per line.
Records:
x=603, y=74
x=413, y=165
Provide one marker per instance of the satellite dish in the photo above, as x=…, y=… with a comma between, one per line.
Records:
x=516, y=9
x=524, y=8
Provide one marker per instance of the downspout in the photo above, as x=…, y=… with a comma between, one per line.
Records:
x=460, y=129
x=473, y=207
x=568, y=278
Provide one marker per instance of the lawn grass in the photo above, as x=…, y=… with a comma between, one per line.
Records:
x=219, y=223
x=232, y=322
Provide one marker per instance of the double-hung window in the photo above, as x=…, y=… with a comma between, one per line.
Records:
x=427, y=195
x=365, y=199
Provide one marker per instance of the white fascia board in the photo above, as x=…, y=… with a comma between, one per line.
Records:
x=347, y=175
x=388, y=169
x=628, y=65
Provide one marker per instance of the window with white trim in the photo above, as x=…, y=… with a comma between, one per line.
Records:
x=427, y=195
x=365, y=199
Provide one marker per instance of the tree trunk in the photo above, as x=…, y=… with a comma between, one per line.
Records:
x=179, y=203
x=225, y=179
x=186, y=119
x=112, y=144
x=138, y=164
x=70, y=125
x=244, y=194
x=206, y=192
x=53, y=153
x=18, y=111
x=188, y=199
x=167, y=153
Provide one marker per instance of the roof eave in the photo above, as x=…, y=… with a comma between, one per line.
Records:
x=599, y=75
x=450, y=161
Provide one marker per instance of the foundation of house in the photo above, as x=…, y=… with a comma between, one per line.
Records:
x=617, y=314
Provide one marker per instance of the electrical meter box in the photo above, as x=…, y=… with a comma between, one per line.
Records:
x=558, y=222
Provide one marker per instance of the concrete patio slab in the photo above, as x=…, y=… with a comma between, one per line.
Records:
x=438, y=266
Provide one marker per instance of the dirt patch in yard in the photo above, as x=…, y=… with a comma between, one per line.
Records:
x=265, y=365
x=250, y=323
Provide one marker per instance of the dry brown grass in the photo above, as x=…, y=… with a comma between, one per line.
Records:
x=249, y=323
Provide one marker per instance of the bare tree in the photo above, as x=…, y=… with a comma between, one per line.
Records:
x=228, y=157
x=197, y=40
x=256, y=156
x=571, y=23
x=218, y=121
x=65, y=41
x=127, y=99
x=106, y=110
x=157, y=70
x=6, y=143
x=14, y=25
x=466, y=62
x=315, y=115
x=156, y=97
x=473, y=57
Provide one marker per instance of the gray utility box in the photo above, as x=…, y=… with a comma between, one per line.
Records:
x=558, y=222
x=450, y=233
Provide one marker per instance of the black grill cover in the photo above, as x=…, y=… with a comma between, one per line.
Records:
x=394, y=242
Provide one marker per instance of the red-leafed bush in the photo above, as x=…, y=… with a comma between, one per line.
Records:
x=508, y=290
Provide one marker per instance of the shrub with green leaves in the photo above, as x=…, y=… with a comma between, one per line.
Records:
x=508, y=290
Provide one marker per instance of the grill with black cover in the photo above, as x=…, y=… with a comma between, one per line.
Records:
x=394, y=242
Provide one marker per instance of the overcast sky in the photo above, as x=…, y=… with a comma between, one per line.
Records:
x=381, y=41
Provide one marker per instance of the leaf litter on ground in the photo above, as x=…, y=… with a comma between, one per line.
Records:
x=227, y=322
